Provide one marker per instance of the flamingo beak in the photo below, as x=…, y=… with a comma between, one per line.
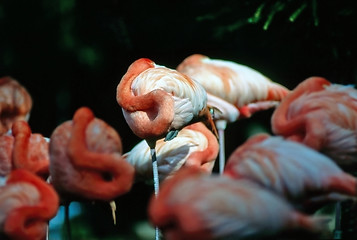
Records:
x=207, y=116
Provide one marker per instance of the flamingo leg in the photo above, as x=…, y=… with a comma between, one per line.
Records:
x=48, y=225
x=337, y=232
x=47, y=232
x=155, y=171
x=67, y=221
x=221, y=126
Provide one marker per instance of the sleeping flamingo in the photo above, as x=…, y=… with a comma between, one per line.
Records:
x=195, y=145
x=27, y=203
x=192, y=205
x=86, y=161
x=158, y=101
x=322, y=116
x=235, y=90
x=292, y=170
x=15, y=103
x=21, y=148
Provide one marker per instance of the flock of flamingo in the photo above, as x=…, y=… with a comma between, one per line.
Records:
x=271, y=184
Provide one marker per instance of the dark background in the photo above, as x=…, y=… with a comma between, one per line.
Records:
x=73, y=53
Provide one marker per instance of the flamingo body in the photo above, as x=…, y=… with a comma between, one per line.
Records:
x=195, y=145
x=156, y=99
x=237, y=84
x=193, y=205
x=290, y=169
x=86, y=161
x=322, y=116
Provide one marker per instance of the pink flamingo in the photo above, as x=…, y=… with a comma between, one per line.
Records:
x=322, y=116
x=23, y=149
x=27, y=203
x=158, y=101
x=86, y=161
x=15, y=103
x=235, y=90
x=193, y=205
x=195, y=145
x=292, y=170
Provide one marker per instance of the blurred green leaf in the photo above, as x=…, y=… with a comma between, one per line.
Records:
x=88, y=56
x=66, y=6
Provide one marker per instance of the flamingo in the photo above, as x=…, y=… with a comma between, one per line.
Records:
x=23, y=149
x=235, y=90
x=292, y=170
x=27, y=203
x=322, y=116
x=195, y=145
x=158, y=101
x=86, y=160
x=193, y=205
x=15, y=103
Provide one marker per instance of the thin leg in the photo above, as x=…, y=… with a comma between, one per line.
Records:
x=156, y=184
x=47, y=231
x=67, y=222
x=337, y=232
x=48, y=224
x=155, y=172
x=221, y=126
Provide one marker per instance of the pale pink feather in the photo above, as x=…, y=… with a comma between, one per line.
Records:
x=322, y=116
x=192, y=205
x=194, y=145
x=291, y=170
x=234, y=83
